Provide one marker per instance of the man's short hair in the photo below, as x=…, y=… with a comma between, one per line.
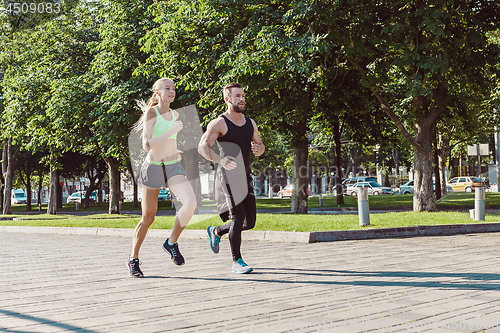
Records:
x=229, y=86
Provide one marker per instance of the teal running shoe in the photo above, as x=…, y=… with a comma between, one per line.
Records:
x=214, y=239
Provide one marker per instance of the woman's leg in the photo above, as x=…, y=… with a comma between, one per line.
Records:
x=183, y=191
x=149, y=206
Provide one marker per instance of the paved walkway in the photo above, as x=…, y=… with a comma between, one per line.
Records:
x=79, y=283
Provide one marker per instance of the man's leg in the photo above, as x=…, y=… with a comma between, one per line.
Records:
x=250, y=210
x=233, y=228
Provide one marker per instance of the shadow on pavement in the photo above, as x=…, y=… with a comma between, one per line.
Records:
x=472, y=281
x=41, y=321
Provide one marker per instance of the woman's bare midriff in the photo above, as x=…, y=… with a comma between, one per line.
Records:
x=166, y=153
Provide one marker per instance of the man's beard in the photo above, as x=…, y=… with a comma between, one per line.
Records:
x=237, y=108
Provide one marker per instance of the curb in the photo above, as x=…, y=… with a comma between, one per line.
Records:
x=278, y=236
x=426, y=230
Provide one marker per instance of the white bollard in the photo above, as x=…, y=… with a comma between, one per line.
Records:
x=363, y=207
x=479, y=205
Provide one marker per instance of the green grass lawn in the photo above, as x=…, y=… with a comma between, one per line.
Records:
x=398, y=200
x=265, y=221
x=269, y=221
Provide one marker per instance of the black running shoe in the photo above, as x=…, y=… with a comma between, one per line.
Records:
x=133, y=266
x=174, y=252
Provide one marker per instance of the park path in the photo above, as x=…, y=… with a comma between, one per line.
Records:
x=80, y=283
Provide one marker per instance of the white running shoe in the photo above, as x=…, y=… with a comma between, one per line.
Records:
x=240, y=267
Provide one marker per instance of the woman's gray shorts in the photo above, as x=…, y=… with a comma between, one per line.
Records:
x=156, y=176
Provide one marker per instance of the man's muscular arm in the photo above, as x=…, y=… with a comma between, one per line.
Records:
x=206, y=142
x=258, y=147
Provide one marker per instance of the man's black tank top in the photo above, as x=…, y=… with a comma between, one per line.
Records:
x=242, y=137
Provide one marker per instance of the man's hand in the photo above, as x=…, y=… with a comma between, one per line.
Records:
x=179, y=157
x=228, y=163
x=256, y=148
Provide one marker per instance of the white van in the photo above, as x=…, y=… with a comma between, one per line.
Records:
x=18, y=197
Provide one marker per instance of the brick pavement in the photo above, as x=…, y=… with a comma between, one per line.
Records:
x=79, y=283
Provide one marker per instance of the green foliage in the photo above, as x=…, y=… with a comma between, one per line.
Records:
x=69, y=82
x=111, y=80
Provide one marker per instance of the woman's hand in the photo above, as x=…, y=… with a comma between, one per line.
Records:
x=177, y=126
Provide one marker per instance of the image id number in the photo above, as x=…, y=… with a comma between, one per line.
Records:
x=32, y=8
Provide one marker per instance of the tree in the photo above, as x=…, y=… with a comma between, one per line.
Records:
x=266, y=46
x=41, y=60
x=412, y=56
x=115, y=86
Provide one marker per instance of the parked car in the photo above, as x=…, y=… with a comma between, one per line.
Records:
x=18, y=197
x=164, y=195
x=76, y=197
x=353, y=180
x=287, y=191
x=407, y=188
x=449, y=189
x=373, y=188
x=467, y=184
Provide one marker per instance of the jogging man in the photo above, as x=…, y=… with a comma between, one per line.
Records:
x=237, y=136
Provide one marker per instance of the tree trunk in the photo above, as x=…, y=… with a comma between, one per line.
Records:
x=59, y=195
x=300, y=169
x=136, y=194
x=52, y=204
x=27, y=182
x=437, y=176
x=460, y=166
x=443, y=150
x=299, y=180
x=2, y=182
x=192, y=135
x=135, y=203
x=423, y=193
x=338, y=163
x=395, y=156
x=2, y=188
x=40, y=187
x=9, y=166
x=114, y=185
x=100, y=197
x=28, y=197
x=423, y=196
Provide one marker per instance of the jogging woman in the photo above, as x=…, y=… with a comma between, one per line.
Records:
x=161, y=168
